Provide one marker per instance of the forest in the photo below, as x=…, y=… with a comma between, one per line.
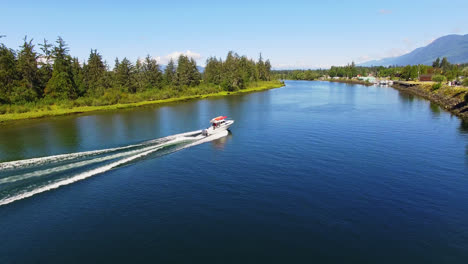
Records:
x=33, y=78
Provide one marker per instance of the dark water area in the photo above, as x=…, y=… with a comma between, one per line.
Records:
x=311, y=172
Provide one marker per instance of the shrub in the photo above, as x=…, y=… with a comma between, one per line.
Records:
x=3, y=109
x=436, y=86
x=465, y=81
x=439, y=78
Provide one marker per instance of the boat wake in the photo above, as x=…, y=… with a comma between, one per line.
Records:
x=24, y=178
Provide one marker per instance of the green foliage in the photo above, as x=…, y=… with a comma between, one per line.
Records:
x=409, y=72
x=152, y=76
x=60, y=86
x=124, y=73
x=8, y=72
x=27, y=69
x=53, y=78
x=187, y=73
x=465, y=81
x=169, y=73
x=436, y=86
x=94, y=73
x=439, y=78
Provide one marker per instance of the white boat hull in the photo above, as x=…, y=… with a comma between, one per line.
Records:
x=214, y=130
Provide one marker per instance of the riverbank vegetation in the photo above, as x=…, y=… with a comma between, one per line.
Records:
x=53, y=82
x=452, y=72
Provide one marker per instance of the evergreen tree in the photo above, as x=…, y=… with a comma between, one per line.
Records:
x=152, y=74
x=169, y=73
x=78, y=77
x=195, y=76
x=436, y=63
x=212, y=73
x=28, y=88
x=45, y=65
x=261, y=69
x=124, y=76
x=8, y=73
x=268, y=70
x=232, y=77
x=444, y=64
x=187, y=73
x=94, y=73
x=61, y=83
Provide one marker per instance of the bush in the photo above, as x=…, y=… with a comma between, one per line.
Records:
x=436, y=86
x=3, y=109
x=439, y=78
x=465, y=81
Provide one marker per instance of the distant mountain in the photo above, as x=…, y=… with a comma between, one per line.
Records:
x=454, y=47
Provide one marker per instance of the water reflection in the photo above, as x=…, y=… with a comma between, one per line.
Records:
x=435, y=109
x=221, y=142
x=405, y=98
x=463, y=128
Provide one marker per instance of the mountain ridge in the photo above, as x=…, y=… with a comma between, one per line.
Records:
x=454, y=47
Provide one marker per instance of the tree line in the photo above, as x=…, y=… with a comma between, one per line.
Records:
x=409, y=72
x=28, y=75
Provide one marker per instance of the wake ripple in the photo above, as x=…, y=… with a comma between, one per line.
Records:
x=26, y=184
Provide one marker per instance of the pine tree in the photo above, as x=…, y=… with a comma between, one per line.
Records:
x=8, y=72
x=212, y=73
x=27, y=89
x=61, y=84
x=152, y=74
x=78, y=77
x=94, y=73
x=195, y=75
x=124, y=76
x=261, y=69
x=436, y=63
x=183, y=71
x=45, y=65
x=268, y=70
x=169, y=73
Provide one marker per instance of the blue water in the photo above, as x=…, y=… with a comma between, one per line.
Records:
x=312, y=172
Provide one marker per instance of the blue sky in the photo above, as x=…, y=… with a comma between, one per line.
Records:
x=292, y=34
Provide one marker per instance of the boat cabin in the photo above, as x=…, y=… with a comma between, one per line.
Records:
x=217, y=121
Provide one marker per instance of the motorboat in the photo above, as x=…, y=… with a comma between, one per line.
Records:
x=218, y=124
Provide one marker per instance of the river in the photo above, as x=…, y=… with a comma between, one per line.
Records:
x=311, y=172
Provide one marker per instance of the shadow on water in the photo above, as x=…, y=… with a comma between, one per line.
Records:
x=220, y=143
x=463, y=128
x=435, y=109
x=405, y=98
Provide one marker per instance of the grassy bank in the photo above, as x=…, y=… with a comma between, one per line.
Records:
x=121, y=101
x=453, y=99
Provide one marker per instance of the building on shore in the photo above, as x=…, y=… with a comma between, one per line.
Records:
x=425, y=77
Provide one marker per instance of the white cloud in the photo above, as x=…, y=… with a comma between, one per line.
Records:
x=175, y=55
x=163, y=60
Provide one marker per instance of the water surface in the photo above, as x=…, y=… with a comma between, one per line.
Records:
x=314, y=171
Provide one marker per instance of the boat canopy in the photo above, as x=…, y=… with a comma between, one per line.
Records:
x=218, y=119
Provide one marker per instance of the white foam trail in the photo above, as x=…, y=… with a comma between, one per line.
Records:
x=90, y=173
x=76, y=178
x=55, y=158
x=39, y=173
x=65, y=157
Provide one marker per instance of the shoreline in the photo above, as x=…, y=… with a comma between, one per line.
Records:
x=5, y=118
x=452, y=99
